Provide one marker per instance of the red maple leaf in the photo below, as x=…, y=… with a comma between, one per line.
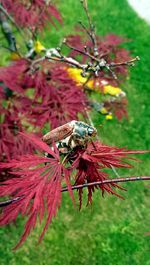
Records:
x=37, y=186
x=11, y=143
x=90, y=162
x=34, y=15
x=36, y=189
x=14, y=75
x=61, y=102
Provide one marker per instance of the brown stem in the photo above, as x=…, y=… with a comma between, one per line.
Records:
x=85, y=185
x=130, y=62
x=82, y=52
x=69, y=61
x=107, y=181
x=85, y=29
x=91, y=32
x=5, y=203
x=33, y=63
x=63, y=59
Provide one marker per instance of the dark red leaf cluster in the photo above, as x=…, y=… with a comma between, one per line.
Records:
x=2, y=93
x=56, y=97
x=89, y=164
x=36, y=188
x=15, y=76
x=37, y=185
x=12, y=144
x=61, y=100
x=32, y=14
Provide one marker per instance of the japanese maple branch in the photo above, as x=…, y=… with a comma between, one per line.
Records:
x=82, y=52
x=130, y=62
x=90, y=32
x=2, y=9
x=85, y=185
x=95, y=68
x=94, y=65
x=107, y=181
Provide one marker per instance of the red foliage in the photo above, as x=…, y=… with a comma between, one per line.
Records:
x=12, y=144
x=91, y=161
x=34, y=14
x=6, y=142
x=2, y=93
x=14, y=75
x=36, y=188
x=62, y=100
x=23, y=105
x=56, y=99
x=34, y=182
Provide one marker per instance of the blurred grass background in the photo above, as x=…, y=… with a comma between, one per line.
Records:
x=111, y=232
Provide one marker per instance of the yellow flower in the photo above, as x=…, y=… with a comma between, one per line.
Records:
x=75, y=74
x=109, y=116
x=38, y=47
x=103, y=110
x=111, y=90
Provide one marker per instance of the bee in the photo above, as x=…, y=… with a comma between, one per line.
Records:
x=70, y=135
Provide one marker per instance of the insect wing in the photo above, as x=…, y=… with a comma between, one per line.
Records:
x=58, y=134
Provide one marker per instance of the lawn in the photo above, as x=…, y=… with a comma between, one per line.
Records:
x=112, y=231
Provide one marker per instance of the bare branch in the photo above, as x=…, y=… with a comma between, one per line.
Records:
x=91, y=33
x=128, y=63
x=5, y=203
x=108, y=181
x=82, y=52
x=86, y=185
x=93, y=67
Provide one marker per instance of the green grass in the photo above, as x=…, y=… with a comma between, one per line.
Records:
x=111, y=232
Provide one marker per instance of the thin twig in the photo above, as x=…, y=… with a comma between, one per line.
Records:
x=85, y=29
x=87, y=80
x=13, y=21
x=63, y=59
x=95, y=67
x=107, y=181
x=86, y=185
x=33, y=63
x=70, y=61
x=91, y=33
x=82, y=52
x=130, y=62
x=5, y=203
